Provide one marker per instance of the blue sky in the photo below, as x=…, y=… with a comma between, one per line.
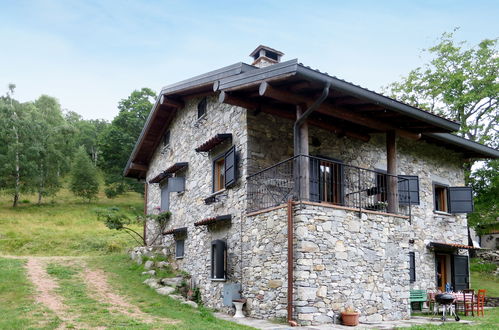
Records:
x=91, y=54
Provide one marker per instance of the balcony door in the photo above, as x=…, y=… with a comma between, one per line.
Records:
x=326, y=181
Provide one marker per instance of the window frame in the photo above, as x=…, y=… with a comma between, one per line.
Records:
x=177, y=242
x=412, y=266
x=167, y=138
x=218, y=172
x=445, y=188
x=202, y=107
x=214, y=262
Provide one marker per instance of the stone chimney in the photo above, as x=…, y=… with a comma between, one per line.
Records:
x=264, y=56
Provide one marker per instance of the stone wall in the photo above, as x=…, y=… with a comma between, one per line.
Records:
x=186, y=133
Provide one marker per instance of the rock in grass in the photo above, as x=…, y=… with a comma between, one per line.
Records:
x=149, y=272
x=149, y=264
x=190, y=303
x=152, y=283
x=171, y=281
x=177, y=297
x=164, y=291
x=162, y=264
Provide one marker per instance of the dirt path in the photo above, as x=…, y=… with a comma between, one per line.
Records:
x=46, y=286
x=97, y=282
x=98, y=288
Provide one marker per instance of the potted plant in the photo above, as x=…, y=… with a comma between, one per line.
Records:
x=350, y=317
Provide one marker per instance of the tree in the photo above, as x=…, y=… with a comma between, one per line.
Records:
x=84, y=176
x=460, y=84
x=16, y=146
x=119, y=138
x=52, y=157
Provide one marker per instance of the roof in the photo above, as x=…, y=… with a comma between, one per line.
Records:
x=257, y=49
x=209, y=221
x=175, y=231
x=348, y=110
x=440, y=245
x=169, y=171
x=213, y=142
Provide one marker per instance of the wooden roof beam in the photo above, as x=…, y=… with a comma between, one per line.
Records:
x=171, y=102
x=266, y=90
x=139, y=167
x=230, y=99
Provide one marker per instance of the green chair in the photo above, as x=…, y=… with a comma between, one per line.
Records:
x=418, y=296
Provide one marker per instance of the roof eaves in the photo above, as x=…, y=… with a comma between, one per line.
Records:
x=461, y=142
x=376, y=98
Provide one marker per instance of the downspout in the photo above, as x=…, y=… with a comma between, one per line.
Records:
x=297, y=151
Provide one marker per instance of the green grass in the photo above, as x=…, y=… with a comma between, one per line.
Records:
x=63, y=225
x=482, y=277
x=17, y=308
x=125, y=277
x=487, y=322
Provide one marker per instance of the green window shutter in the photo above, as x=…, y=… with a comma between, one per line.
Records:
x=408, y=189
x=230, y=167
x=460, y=200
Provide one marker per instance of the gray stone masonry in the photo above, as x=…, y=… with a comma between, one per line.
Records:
x=341, y=259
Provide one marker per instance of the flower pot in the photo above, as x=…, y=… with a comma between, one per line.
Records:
x=350, y=318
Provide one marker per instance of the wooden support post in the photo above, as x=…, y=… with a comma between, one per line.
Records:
x=392, y=182
x=304, y=160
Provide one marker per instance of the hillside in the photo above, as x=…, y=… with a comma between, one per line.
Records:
x=63, y=225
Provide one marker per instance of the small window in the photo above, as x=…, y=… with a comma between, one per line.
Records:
x=166, y=138
x=219, y=174
x=202, y=108
x=218, y=260
x=412, y=267
x=441, y=198
x=179, y=248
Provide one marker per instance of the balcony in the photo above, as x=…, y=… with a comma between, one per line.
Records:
x=321, y=180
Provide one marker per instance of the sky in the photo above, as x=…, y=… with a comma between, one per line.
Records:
x=91, y=54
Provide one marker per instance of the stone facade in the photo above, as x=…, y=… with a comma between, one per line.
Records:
x=341, y=259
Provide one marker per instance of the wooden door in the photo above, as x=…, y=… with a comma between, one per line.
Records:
x=441, y=271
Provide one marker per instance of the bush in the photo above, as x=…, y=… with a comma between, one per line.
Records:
x=478, y=265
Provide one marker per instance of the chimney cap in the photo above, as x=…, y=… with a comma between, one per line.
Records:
x=255, y=54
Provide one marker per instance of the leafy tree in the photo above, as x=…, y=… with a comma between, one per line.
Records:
x=486, y=187
x=84, y=176
x=119, y=138
x=114, y=218
x=16, y=146
x=51, y=132
x=460, y=84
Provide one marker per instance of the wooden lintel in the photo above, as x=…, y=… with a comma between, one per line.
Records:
x=139, y=167
x=332, y=110
x=171, y=103
x=336, y=129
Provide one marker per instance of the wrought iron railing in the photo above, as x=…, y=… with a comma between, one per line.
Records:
x=307, y=178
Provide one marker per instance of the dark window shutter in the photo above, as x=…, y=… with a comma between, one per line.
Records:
x=165, y=198
x=179, y=248
x=408, y=189
x=314, y=178
x=460, y=278
x=460, y=200
x=218, y=259
x=230, y=167
x=412, y=266
x=176, y=184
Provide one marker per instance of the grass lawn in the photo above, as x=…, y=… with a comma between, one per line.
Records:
x=17, y=308
x=62, y=225
x=487, y=322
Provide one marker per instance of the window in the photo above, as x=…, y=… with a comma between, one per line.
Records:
x=165, y=198
x=202, y=107
x=166, y=138
x=381, y=187
x=441, y=198
x=408, y=189
x=219, y=174
x=225, y=170
x=330, y=182
x=179, y=248
x=218, y=260
x=412, y=266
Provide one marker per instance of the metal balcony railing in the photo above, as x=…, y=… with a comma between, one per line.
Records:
x=322, y=180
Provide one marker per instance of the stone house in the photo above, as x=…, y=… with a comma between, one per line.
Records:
x=304, y=193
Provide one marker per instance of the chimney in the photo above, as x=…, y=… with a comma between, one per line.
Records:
x=264, y=56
